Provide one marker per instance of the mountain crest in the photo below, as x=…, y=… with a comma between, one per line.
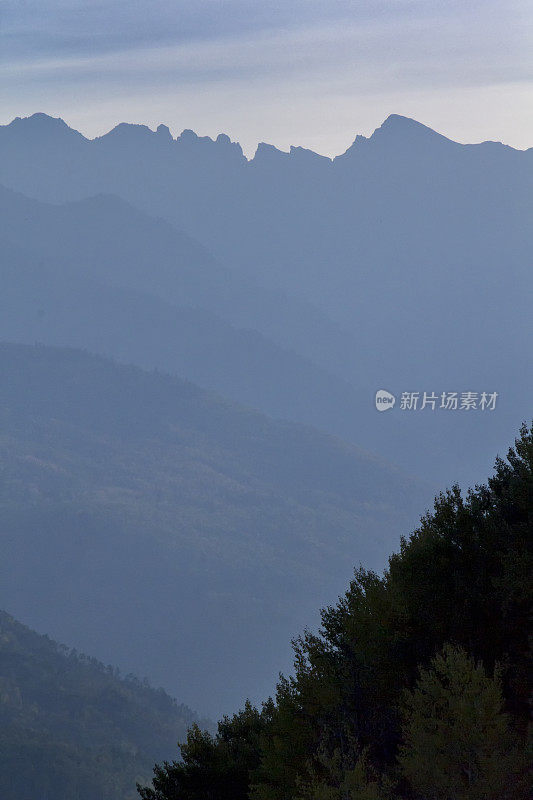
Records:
x=405, y=128
x=397, y=132
x=268, y=154
x=202, y=144
x=41, y=126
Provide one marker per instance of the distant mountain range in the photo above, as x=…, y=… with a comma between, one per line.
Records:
x=99, y=274
x=173, y=533
x=402, y=264
x=157, y=515
x=72, y=727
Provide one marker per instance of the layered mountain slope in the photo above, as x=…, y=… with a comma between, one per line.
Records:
x=107, y=239
x=71, y=727
x=415, y=245
x=158, y=527
x=55, y=301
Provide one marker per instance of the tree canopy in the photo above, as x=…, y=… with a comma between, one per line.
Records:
x=435, y=655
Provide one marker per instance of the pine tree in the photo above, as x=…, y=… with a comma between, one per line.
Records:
x=457, y=742
x=213, y=767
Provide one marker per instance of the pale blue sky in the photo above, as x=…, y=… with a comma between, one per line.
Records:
x=303, y=72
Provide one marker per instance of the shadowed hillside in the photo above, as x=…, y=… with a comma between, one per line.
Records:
x=135, y=504
x=72, y=727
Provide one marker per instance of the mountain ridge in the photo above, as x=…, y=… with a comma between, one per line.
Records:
x=84, y=729
x=366, y=289
x=394, y=124
x=159, y=320
x=125, y=492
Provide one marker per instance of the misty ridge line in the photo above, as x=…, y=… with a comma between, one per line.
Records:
x=289, y=283
x=318, y=256
x=396, y=124
x=231, y=235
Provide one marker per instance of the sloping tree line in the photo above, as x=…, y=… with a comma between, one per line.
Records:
x=72, y=728
x=418, y=685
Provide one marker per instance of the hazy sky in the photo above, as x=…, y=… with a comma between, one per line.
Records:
x=304, y=72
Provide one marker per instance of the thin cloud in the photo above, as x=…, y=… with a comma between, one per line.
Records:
x=223, y=61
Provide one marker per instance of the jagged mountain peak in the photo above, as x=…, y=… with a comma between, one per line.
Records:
x=40, y=119
x=297, y=157
x=303, y=154
x=41, y=125
x=399, y=128
x=398, y=122
x=164, y=132
x=396, y=132
x=266, y=153
x=190, y=140
x=128, y=132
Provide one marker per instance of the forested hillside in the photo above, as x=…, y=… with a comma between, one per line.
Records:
x=265, y=315
x=419, y=682
x=139, y=499
x=71, y=727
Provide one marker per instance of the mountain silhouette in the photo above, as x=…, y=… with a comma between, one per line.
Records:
x=103, y=276
x=289, y=282
x=393, y=263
